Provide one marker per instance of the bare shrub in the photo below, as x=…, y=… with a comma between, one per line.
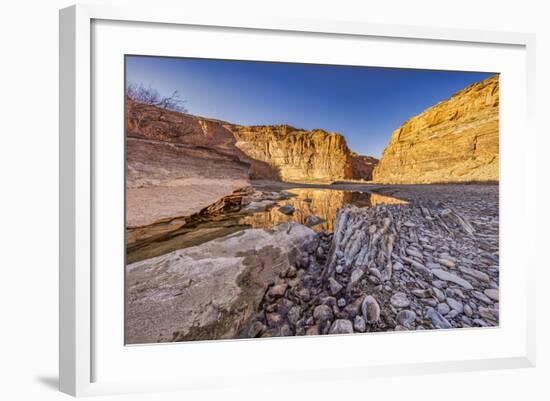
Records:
x=149, y=95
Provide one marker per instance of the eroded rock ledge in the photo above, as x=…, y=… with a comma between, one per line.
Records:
x=208, y=291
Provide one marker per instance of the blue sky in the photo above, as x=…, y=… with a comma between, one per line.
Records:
x=365, y=104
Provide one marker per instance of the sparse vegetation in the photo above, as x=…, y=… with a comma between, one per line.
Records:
x=151, y=96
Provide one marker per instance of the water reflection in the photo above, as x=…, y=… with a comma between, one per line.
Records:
x=311, y=203
x=307, y=202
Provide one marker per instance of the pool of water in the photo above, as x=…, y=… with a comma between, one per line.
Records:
x=311, y=205
x=312, y=202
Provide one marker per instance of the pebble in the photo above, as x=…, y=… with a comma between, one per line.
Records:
x=415, y=253
x=339, y=269
x=335, y=286
x=443, y=275
x=273, y=319
x=313, y=221
x=400, y=300
x=439, y=283
x=277, y=291
x=488, y=313
x=294, y=314
x=429, y=301
x=438, y=294
x=492, y=293
x=376, y=273
x=360, y=324
x=341, y=326
x=468, y=310
x=421, y=293
x=341, y=302
x=320, y=253
x=482, y=297
x=304, y=294
x=406, y=318
x=398, y=266
x=322, y=313
x=476, y=274
x=419, y=267
x=287, y=209
x=443, y=308
x=432, y=265
x=437, y=320
x=355, y=276
x=452, y=314
x=480, y=322
x=455, y=305
x=447, y=263
x=370, y=309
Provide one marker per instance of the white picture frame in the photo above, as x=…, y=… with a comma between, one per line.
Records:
x=80, y=349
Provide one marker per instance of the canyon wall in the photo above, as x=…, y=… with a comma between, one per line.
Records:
x=457, y=140
x=178, y=163
x=302, y=156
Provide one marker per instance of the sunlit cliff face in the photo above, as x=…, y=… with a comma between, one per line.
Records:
x=321, y=203
x=457, y=140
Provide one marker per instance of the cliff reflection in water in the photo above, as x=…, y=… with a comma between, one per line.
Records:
x=321, y=203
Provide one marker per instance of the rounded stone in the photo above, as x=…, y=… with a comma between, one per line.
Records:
x=370, y=309
x=455, y=305
x=359, y=324
x=406, y=318
x=492, y=293
x=322, y=313
x=341, y=326
x=400, y=300
x=443, y=308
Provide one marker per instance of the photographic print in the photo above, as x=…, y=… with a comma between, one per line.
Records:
x=270, y=199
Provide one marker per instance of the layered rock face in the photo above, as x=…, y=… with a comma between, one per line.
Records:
x=176, y=164
x=456, y=140
x=299, y=155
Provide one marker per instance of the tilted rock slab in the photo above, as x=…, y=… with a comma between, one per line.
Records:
x=457, y=140
x=208, y=291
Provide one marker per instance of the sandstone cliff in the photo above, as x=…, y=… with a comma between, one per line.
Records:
x=457, y=140
x=176, y=163
x=300, y=155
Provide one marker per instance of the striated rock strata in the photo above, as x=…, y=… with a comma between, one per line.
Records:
x=302, y=156
x=457, y=140
x=176, y=164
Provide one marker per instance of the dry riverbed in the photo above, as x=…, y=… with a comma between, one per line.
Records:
x=427, y=260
